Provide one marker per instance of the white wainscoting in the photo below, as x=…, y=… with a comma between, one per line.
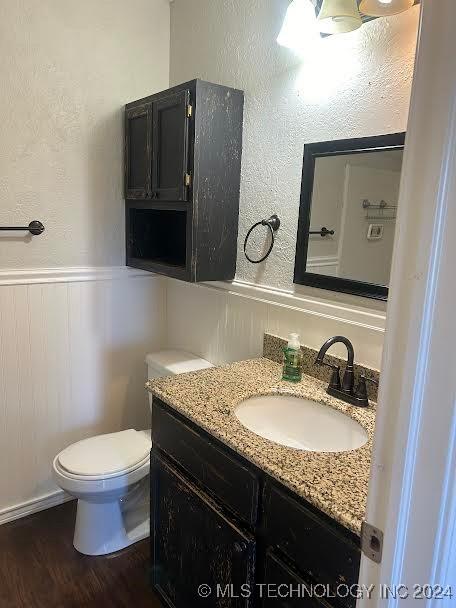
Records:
x=72, y=348
x=225, y=322
x=327, y=265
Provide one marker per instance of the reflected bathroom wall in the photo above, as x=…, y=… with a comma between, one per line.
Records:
x=355, y=195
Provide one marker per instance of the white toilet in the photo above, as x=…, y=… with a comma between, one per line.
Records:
x=109, y=474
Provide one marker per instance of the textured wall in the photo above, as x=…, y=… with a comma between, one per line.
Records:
x=356, y=85
x=67, y=68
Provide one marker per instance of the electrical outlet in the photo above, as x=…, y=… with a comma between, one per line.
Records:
x=375, y=232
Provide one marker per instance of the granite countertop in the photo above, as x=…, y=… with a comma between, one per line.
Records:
x=335, y=483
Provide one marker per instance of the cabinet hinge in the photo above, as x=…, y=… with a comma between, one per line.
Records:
x=371, y=542
x=188, y=179
x=189, y=110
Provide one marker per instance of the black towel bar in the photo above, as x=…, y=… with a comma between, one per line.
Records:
x=34, y=227
x=322, y=232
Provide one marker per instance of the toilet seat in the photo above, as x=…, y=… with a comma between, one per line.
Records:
x=105, y=456
x=101, y=487
x=100, y=477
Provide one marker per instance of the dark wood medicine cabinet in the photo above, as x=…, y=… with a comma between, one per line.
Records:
x=183, y=152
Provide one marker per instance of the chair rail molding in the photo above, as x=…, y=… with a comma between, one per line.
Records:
x=14, y=276
x=356, y=315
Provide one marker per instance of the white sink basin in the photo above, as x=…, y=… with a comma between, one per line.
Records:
x=301, y=423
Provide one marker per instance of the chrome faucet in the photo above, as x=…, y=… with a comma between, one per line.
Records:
x=344, y=390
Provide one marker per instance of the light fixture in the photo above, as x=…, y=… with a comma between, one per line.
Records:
x=382, y=8
x=299, y=30
x=339, y=16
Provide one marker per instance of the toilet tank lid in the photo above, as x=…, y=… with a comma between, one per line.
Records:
x=171, y=362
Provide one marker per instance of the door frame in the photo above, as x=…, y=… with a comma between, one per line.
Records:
x=412, y=490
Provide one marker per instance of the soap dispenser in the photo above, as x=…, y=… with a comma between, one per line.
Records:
x=292, y=360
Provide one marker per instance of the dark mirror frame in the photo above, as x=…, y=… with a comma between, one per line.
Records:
x=394, y=141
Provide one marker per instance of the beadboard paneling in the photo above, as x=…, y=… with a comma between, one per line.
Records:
x=71, y=366
x=72, y=347
x=226, y=322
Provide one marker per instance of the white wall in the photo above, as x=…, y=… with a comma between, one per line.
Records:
x=72, y=339
x=341, y=183
x=67, y=69
x=360, y=258
x=355, y=85
x=72, y=351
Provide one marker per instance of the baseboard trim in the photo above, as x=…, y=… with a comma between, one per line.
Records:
x=34, y=506
x=32, y=276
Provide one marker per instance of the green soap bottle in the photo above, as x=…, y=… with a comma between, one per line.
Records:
x=292, y=360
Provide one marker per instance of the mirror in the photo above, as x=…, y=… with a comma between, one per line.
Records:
x=347, y=216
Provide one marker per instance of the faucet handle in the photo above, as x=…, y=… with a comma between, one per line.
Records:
x=335, y=376
x=361, y=390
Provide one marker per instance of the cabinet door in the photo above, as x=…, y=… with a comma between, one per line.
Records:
x=319, y=550
x=170, y=147
x=195, y=544
x=285, y=589
x=138, y=152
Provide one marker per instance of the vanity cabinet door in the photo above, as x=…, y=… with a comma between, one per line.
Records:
x=195, y=544
x=317, y=548
x=170, y=147
x=286, y=589
x=138, y=152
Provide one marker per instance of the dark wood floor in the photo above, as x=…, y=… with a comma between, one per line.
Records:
x=39, y=568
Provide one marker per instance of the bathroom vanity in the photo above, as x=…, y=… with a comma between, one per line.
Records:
x=241, y=514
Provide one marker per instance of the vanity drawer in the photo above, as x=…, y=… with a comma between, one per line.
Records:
x=317, y=549
x=216, y=470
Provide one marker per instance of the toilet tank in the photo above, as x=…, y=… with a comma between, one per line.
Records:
x=171, y=362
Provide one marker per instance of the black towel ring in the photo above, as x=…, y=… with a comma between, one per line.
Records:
x=273, y=223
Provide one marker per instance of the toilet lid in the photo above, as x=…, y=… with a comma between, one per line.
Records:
x=106, y=454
